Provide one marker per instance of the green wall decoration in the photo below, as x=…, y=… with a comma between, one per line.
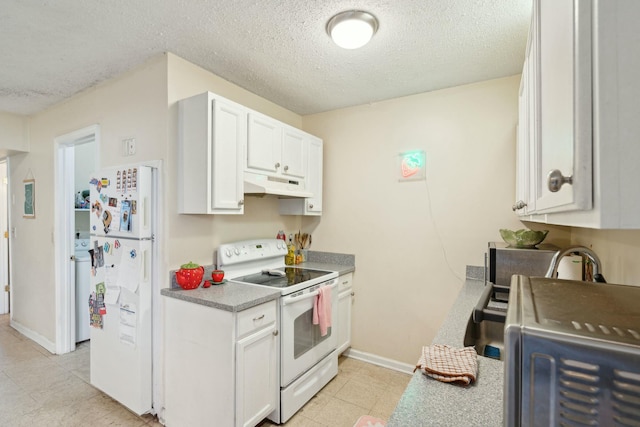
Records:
x=29, y=198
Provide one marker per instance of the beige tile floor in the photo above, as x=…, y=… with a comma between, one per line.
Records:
x=38, y=388
x=360, y=388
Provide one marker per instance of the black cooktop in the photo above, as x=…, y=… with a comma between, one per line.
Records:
x=292, y=276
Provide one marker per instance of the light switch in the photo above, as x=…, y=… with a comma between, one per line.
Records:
x=129, y=146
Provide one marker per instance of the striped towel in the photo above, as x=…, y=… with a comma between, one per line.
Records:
x=448, y=364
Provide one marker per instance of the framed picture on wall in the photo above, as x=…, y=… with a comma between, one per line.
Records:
x=29, y=198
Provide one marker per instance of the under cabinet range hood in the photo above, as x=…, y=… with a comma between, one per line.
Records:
x=263, y=185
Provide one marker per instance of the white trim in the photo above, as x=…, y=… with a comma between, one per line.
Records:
x=4, y=241
x=156, y=300
x=380, y=361
x=63, y=233
x=34, y=336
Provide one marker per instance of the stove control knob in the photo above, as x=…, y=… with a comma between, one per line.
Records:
x=228, y=253
x=236, y=251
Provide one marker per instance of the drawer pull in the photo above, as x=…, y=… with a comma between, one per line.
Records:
x=255, y=319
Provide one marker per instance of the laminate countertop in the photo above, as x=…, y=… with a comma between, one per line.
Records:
x=428, y=402
x=237, y=296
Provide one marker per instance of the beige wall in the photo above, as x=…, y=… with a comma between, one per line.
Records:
x=618, y=250
x=412, y=240
x=13, y=134
x=133, y=105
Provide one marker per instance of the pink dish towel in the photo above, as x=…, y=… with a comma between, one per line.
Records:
x=322, y=309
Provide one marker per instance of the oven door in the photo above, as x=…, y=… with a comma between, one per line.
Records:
x=302, y=345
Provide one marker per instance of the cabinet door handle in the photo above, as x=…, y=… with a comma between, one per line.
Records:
x=519, y=205
x=286, y=168
x=240, y=202
x=255, y=319
x=555, y=180
x=353, y=293
x=311, y=206
x=277, y=165
x=275, y=333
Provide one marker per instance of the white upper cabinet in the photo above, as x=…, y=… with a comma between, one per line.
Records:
x=562, y=52
x=212, y=134
x=311, y=206
x=275, y=148
x=264, y=144
x=294, y=152
x=578, y=123
x=226, y=149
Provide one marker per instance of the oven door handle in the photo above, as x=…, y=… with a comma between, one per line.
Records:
x=291, y=300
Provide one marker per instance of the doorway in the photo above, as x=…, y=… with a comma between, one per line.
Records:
x=5, y=305
x=76, y=157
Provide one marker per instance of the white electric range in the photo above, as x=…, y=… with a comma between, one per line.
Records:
x=308, y=360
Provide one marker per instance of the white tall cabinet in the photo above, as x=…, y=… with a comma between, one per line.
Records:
x=578, y=126
x=220, y=367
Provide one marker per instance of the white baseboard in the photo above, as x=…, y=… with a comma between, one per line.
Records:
x=380, y=361
x=34, y=336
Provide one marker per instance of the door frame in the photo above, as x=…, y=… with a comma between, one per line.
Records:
x=5, y=301
x=64, y=231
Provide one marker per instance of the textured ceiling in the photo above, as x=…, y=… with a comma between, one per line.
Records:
x=278, y=49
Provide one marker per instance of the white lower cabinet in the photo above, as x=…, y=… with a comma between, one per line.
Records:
x=256, y=373
x=345, y=299
x=220, y=366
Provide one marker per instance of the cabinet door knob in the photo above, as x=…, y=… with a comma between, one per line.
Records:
x=353, y=293
x=286, y=168
x=519, y=205
x=555, y=180
x=277, y=165
x=310, y=205
x=275, y=333
x=240, y=202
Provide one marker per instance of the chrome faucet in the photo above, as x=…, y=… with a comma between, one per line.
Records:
x=595, y=261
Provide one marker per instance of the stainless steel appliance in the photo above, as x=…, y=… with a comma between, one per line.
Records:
x=503, y=261
x=572, y=354
x=308, y=360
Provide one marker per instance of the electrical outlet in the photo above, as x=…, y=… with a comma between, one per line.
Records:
x=129, y=146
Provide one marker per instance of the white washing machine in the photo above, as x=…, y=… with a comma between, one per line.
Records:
x=83, y=268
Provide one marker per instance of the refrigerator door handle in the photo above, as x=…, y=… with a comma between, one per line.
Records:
x=146, y=220
x=146, y=267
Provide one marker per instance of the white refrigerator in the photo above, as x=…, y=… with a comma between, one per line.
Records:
x=122, y=289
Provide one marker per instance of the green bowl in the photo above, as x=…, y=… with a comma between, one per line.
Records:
x=523, y=238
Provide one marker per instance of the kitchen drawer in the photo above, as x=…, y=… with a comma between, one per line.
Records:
x=256, y=318
x=345, y=281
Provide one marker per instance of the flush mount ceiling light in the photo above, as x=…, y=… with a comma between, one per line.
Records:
x=352, y=29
